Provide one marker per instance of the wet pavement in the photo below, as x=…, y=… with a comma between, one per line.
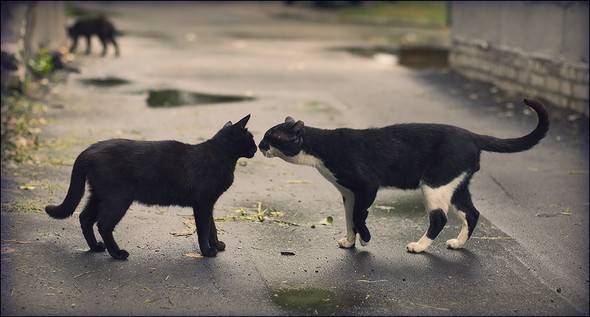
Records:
x=528, y=255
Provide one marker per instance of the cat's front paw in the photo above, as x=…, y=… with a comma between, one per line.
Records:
x=120, y=255
x=345, y=243
x=211, y=252
x=99, y=247
x=415, y=247
x=219, y=245
x=363, y=242
x=454, y=244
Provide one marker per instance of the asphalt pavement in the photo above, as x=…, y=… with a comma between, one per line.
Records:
x=528, y=255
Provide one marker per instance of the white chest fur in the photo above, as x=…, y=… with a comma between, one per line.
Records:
x=303, y=158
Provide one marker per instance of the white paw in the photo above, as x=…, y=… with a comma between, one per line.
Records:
x=345, y=243
x=415, y=247
x=363, y=243
x=454, y=244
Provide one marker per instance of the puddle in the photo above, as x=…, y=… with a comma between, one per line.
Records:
x=421, y=57
x=105, y=81
x=165, y=98
x=307, y=300
x=367, y=51
x=418, y=56
x=316, y=106
x=410, y=206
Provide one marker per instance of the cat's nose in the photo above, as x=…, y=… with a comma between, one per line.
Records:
x=263, y=146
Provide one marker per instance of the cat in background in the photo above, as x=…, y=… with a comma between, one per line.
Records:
x=89, y=26
x=439, y=159
x=120, y=171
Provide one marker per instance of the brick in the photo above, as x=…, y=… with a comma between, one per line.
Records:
x=553, y=98
x=565, y=87
x=539, y=67
x=567, y=72
x=563, y=101
x=523, y=77
x=552, y=83
x=579, y=106
x=510, y=73
x=582, y=75
x=580, y=91
x=537, y=80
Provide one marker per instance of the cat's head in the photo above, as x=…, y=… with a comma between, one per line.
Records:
x=284, y=140
x=238, y=137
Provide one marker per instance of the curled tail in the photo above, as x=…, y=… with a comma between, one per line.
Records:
x=75, y=192
x=492, y=144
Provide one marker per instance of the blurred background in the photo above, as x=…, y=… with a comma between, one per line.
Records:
x=183, y=69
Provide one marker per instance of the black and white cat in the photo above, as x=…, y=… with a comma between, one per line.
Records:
x=164, y=173
x=439, y=159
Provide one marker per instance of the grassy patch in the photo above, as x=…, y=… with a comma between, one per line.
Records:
x=25, y=205
x=410, y=13
x=75, y=11
x=21, y=122
x=42, y=65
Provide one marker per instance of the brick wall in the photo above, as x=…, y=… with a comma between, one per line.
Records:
x=533, y=48
x=561, y=83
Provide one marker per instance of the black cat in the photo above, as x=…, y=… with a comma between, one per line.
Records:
x=438, y=159
x=99, y=26
x=164, y=173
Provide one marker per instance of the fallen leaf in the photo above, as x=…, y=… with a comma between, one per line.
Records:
x=328, y=221
x=82, y=274
x=193, y=255
x=189, y=228
x=297, y=181
x=149, y=301
x=547, y=215
x=382, y=207
x=566, y=211
x=430, y=307
x=368, y=281
x=26, y=187
x=493, y=238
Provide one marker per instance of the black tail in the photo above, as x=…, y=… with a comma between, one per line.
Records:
x=492, y=144
x=75, y=192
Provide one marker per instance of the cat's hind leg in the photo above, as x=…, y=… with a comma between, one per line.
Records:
x=104, y=42
x=88, y=218
x=437, y=202
x=111, y=211
x=363, y=200
x=114, y=42
x=88, y=45
x=213, y=240
x=468, y=214
x=203, y=212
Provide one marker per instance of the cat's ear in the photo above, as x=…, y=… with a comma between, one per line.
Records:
x=227, y=124
x=289, y=120
x=242, y=123
x=297, y=127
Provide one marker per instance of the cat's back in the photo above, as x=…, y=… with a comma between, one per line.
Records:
x=94, y=25
x=129, y=150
